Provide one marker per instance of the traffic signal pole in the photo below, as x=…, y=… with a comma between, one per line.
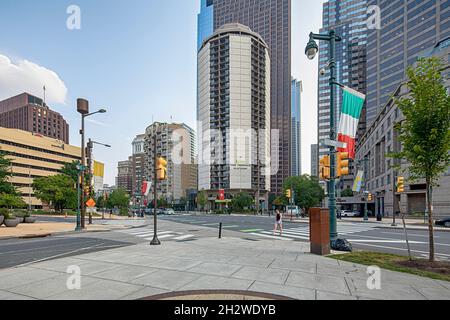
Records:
x=155, y=241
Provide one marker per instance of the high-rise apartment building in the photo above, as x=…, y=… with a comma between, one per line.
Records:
x=138, y=163
x=349, y=20
x=175, y=143
x=30, y=113
x=125, y=175
x=407, y=28
x=296, y=133
x=272, y=20
x=234, y=112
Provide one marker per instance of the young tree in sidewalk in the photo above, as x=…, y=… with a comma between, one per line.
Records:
x=202, y=199
x=6, y=187
x=425, y=132
x=307, y=191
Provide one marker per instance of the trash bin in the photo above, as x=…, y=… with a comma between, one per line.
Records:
x=319, y=230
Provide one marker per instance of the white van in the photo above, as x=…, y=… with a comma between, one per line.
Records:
x=294, y=210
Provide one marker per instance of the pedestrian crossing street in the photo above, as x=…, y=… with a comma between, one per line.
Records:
x=302, y=232
x=146, y=234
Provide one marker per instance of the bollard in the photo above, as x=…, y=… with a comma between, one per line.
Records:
x=220, y=230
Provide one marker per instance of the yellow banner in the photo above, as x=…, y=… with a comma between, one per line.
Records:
x=99, y=169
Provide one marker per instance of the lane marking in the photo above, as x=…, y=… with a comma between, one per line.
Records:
x=251, y=230
x=384, y=241
x=210, y=224
x=166, y=236
x=188, y=236
x=270, y=237
x=409, y=235
x=227, y=227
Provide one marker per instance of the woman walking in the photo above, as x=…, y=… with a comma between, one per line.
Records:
x=278, y=222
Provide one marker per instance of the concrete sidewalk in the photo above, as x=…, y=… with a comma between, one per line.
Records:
x=281, y=268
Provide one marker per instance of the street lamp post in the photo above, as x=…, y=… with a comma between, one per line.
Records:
x=83, y=109
x=80, y=169
x=311, y=51
x=155, y=241
x=90, y=147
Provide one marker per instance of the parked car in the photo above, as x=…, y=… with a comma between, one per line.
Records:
x=445, y=222
x=169, y=212
x=349, y=213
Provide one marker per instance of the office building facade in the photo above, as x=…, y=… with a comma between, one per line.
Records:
x=407, y=28
x=29, y=113
x=234, y=112
x=271, y=19
x=34, y=156
x=175, y=142
x=138, y=163
x=296, y=131
x=381, y=139
x=314, y=160
x=125, y=175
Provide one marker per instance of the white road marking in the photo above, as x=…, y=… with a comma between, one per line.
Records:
x=270, y=237
x=409, y=235
x=188, y=236
x=166, y=236
x=383, y=241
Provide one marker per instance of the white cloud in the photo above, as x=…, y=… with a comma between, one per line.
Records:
x=26, y=76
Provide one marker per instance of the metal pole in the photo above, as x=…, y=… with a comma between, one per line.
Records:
x=394, y=200
x=78, y=228
x=332, y=182
x=366, y=217
x=155, y=241
x=89, y=150
x=30, y=187
x=83, y=163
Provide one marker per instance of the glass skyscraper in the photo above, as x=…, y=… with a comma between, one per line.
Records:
x=407, y=29
x=349, y=19
x=205, y=21
x=296, y=135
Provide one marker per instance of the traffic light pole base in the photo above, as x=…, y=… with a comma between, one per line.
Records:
x=155, y=242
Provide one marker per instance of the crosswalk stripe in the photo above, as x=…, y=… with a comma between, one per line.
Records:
x=151, y=233
x=188, y=236
x=270, y=237
x=288, y=235
x=166, y=236
x=144, y=234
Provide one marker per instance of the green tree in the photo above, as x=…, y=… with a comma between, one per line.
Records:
x=119, y=198
x=241, y=202
x=57, y=191
x=5, y=174
x=70, y=169
x=347, y=193
x=11, y=201
x=163, y=203
x=425, y=133
x=101, y=203
x=202, y=199
x=307, y=191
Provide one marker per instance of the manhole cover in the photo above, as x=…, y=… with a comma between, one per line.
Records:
x=216, y=295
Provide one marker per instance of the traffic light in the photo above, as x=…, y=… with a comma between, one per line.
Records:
x=288, y=193
x=324, y=168
x=369, y=197
x=400, y=184
x=342, y=164
x=161, y=169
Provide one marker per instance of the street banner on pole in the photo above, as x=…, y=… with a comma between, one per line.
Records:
x=352, y=105
x=146, y=185
x=358, y=181
x=99, y=173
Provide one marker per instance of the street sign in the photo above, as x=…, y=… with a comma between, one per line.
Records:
x=91, y=203
x=331, y=143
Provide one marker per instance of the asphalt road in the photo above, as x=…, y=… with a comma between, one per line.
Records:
x=362, y=236
x=17, y=252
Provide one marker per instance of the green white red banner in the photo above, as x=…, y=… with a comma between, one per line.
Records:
x=352, y=105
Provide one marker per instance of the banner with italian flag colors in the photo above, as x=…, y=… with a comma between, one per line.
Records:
x=352, y=105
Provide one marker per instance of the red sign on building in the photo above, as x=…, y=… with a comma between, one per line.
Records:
x=221, y=195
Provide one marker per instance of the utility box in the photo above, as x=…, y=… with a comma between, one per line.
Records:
x=319, y=231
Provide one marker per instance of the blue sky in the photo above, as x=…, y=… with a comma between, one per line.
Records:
x=136, y=58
